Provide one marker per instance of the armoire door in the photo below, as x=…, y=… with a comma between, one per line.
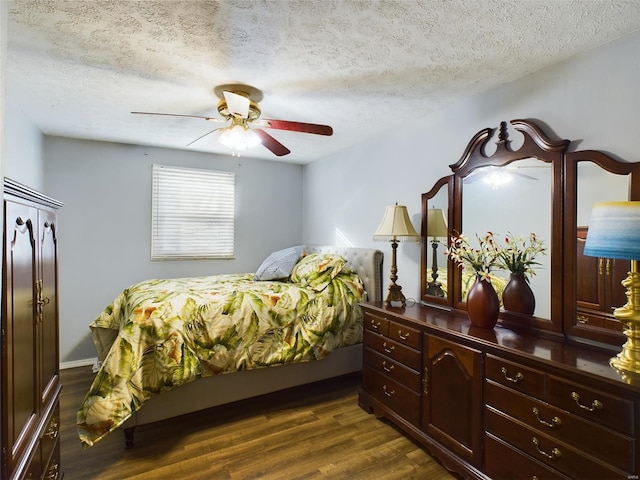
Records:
x=47, y=306
x=20, y=358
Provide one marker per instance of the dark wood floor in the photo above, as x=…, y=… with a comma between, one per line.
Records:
x=312, y=432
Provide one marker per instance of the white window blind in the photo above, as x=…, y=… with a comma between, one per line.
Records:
x=192, y=213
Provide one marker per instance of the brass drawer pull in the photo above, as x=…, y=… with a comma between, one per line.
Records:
x=555, y=421
x=52, y=431
x=518, y=378
x=385, y=368
x=582, y=319
x=387, y=392
x=595, y=405
x=405, y=336
x=388, y=349
x=53, y=473
x=555, y=453
x=374, y=325
x=600, y=262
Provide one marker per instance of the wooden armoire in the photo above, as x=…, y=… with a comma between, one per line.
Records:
x=30, y=388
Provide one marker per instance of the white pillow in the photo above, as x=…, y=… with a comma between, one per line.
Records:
x=279, y=264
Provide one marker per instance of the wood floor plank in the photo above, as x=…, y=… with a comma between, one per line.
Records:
x=312, y=432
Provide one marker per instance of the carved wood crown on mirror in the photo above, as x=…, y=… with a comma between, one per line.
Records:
x=552, y=197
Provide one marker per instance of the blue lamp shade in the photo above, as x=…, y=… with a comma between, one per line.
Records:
x=614, y=231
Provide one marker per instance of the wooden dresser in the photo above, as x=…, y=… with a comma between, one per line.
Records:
x=30, y=421
x=498, y=403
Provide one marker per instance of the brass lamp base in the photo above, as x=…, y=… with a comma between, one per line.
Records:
x=628, y=360
x=395, y=291
x=395, y=295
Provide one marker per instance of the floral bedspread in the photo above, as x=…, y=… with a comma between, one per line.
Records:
x=170, y=332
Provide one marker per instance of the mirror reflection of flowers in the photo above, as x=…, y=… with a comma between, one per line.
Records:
x=481, y=260
x=519, y=254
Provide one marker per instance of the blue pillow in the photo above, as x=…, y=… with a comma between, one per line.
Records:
x=279, y=264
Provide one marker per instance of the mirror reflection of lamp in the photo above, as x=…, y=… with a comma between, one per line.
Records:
x=436, y=228
x=395, y=226
x=614, y=232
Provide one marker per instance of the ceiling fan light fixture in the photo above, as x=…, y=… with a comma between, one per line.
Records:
x=237, y=106
x=239, y=138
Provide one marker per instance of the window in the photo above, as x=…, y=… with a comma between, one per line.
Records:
x=192, y=213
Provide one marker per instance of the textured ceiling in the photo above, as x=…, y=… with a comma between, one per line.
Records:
x=78, y=68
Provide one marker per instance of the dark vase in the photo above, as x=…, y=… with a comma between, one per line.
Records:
x=517, y=295
x=483, y=306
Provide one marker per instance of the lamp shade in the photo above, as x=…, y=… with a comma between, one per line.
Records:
x=239, y=137
x=396, y=225
x=614, y=231
x=436, y=223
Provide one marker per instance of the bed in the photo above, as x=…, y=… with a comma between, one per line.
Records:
x=160, y=358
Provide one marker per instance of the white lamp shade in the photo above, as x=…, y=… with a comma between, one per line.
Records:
x=614, y=231
x=436, y=223
x=396, y=225
x=239, y=138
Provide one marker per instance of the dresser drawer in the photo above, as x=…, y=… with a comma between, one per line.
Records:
x=376, y=323
x=392, y=349
x=588, y=319
x=52, y=470
x=524, y=379
x=605, y=444
x=49, y=437
x=599, y=407
x=400, y=399
x=501, y=462
x=405, y=335
x=548, y=450
x=393, y=369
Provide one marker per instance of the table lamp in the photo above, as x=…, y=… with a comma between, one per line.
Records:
x=614, y=232
x=395, y=226
x=436, y=228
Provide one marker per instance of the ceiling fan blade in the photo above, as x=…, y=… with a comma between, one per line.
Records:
x=528, y=177
x=210, y=119
x=272, y=144
x=202, y=136
x=300, y=127
x=237, y=104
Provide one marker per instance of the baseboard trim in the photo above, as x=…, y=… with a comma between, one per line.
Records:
x=79, y=363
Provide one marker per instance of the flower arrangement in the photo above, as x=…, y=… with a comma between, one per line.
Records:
x=519, y=254
x=481, y=260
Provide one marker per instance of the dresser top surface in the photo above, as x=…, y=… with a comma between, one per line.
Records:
x=556, y=353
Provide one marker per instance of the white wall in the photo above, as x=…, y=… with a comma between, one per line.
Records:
x=4, y=18
x=593, y=99
x=105, y=224
x=23, y=148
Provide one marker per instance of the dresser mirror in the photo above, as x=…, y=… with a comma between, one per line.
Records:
x=594, y=177
x=530, y=202
x=499, y=200
x=435, y=278
x=551, y=193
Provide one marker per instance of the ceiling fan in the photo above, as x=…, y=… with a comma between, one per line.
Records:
x=496, y=177
x=245, y=129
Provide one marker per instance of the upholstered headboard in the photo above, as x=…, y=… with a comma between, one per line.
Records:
x=366, y=262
